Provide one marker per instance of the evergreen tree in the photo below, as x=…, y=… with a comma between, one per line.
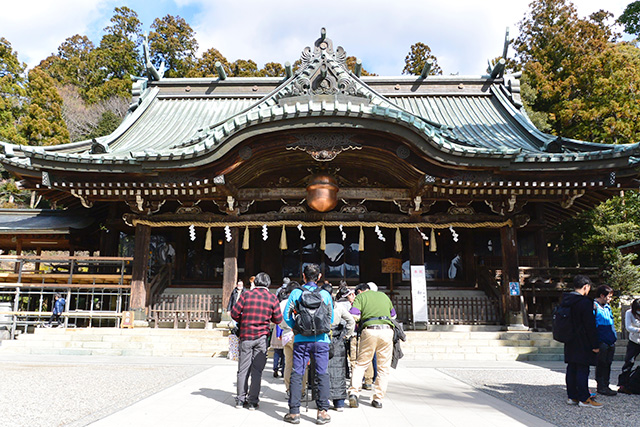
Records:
x=12, y=93
x=206, y=66
x=417, y=57
x=119, y=51
x=579, y=78
x=43, y=123
x=173, y=40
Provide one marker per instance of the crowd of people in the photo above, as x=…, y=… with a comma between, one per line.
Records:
x=592, y=343
x=328, y=345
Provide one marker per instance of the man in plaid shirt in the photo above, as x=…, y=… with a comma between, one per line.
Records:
x=254, y=312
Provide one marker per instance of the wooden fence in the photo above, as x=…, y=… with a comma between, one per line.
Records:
x=453, y=310
x=186, y=309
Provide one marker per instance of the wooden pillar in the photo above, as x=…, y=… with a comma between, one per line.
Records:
x=230, y=272
x=510, y=273
x=139, y=271
x=416, y=248
x=16, y=267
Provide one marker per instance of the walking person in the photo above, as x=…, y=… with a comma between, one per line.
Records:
x=373, y=311
x=309, y=313
x=607, y=337
x=580, y=352
x=632, y=324
x=254, y=312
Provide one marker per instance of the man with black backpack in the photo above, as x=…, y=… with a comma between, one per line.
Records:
x=309, y=312
x=580, y=351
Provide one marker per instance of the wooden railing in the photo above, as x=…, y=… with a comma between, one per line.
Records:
x=96, y=290
x=185, y=309
x=72, y=272
x=453, y=310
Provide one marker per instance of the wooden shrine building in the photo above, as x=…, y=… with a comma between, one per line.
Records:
x=224, y=177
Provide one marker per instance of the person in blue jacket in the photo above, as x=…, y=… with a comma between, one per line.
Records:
x=305, y=347
x=607, y=338
x=58, y=307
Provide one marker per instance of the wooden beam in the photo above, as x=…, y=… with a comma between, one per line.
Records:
x=381, y=194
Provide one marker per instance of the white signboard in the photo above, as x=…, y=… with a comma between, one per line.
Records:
x=419, y=294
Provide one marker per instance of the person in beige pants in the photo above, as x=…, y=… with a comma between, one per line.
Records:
x=374, y=311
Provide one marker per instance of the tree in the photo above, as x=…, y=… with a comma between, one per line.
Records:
x=86, y=121
x=244, y=68
x=630, y=19
x=417, y=57
x=43, y=123
x=272, y=69
x=206, y=66
x=75, y=63
x=351, y=65
x=173, y=40
x=579, y=78
x=119, y=51
x=12, y=93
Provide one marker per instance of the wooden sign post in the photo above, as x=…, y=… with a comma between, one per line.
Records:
x=391, y=265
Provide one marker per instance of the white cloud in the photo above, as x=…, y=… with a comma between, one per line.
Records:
x=462, y=34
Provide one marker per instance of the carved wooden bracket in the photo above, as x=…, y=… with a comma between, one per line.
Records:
x=83, y=200
x=568, y=199
x=142, y=206
x=505, y=206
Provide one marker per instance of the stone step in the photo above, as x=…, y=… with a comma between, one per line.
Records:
x=420, y=345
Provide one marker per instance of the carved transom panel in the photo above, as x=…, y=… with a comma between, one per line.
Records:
x=324, y=147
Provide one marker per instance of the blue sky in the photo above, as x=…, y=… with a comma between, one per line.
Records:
x=462, y=34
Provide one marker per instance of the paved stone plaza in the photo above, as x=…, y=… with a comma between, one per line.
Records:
x=114, y=391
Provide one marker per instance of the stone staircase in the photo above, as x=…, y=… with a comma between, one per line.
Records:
x=119, y=342
x=429, y=345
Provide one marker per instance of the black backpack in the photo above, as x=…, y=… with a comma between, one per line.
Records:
x=563, y=330
x=633, y=385
x=312, y=316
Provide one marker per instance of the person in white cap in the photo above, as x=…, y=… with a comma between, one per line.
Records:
x=372, y=286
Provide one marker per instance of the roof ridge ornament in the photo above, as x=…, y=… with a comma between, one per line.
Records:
x=324, y=71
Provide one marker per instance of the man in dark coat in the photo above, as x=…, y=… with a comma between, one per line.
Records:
x=581, y=351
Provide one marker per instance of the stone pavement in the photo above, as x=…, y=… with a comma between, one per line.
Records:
x=419, y=394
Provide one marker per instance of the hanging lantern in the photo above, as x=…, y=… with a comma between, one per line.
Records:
x=322, y=193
